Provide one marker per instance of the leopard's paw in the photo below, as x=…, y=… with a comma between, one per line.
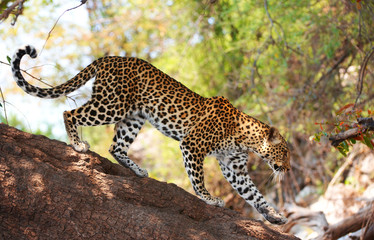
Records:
x=215, y=201
x=272, y=216
x=81, y=146
x=141, y=172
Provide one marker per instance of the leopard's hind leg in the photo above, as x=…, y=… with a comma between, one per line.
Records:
x=72, y=131
x=126, y=132
x=86, y=115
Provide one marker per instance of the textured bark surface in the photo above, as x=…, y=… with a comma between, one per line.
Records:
x=49, y=191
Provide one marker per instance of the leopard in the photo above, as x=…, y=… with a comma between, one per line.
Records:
x=128, y=91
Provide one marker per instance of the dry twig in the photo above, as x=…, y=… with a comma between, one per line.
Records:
x=58, y=19
x=3, y=100
x=360, y=82
x=9, y=10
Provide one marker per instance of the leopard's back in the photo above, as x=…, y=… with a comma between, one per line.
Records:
x=131, y=86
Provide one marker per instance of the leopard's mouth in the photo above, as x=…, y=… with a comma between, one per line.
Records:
x=278, y=173
x=277, y=170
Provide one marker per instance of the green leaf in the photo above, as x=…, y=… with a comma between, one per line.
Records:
x=342, y=151
x=343, y=148
x=9, y=59
x=368, y=142
x=317, y=137
x=346, y=146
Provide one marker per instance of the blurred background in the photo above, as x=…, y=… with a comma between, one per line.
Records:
x=291, y=64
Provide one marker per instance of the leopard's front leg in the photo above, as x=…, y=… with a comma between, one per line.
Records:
x=234, y=168
x=193, y=162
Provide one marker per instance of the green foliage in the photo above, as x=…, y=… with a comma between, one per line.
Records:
x=281, y=56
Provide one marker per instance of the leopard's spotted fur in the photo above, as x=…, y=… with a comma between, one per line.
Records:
x=128, y=91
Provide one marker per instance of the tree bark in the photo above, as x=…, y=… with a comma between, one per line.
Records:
x=49, y=191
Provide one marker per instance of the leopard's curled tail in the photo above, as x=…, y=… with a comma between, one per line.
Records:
x=61, y=90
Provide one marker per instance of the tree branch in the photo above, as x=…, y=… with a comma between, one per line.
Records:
x=363, y=219
x=9, y=10
x=364, y=125
x=350, y=224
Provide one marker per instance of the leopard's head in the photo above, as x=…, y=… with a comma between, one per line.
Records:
x=255, y=136
x=274, y=150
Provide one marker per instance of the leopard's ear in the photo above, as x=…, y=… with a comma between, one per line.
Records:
x=274, y=136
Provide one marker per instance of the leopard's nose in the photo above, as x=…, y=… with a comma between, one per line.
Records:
x=276, y=167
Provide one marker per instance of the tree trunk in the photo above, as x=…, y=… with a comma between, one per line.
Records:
x=49, y=191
